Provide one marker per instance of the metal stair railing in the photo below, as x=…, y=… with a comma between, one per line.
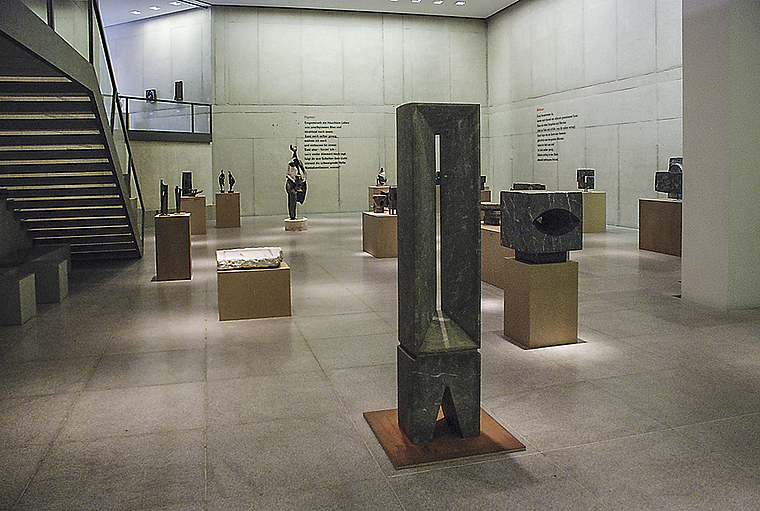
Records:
x=93, y=47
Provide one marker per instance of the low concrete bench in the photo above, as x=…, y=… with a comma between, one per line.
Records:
x=50, y=265
x=18, y=298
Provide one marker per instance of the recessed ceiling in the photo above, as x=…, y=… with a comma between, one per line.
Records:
x=118, y=11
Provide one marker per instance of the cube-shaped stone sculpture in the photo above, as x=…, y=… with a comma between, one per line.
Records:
x=541, y=226
x=438, y=358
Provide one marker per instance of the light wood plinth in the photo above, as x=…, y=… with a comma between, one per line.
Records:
x=594, y=211
x=173, y=247
x=227, y=210
x=375, y=190
x=196, y=206
x=541, y=303
x=254, y=293
x=380, y=234
x=493, y=256
x=660, y=226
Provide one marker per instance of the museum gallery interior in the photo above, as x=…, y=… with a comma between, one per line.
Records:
x=379, y=254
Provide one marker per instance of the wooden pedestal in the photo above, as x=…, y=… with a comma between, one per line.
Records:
x=375, y=190
x=227, y=210
x=380, y=234
x=660, y=226
x=254, y=293
x=493, y=256
x=173, y=247
x=196, y=206
x=485, y=195
x=541, y=303
x=594, y=211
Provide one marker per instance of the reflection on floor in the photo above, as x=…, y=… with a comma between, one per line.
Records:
x=132, y=395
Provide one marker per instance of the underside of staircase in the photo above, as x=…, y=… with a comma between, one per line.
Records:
x=58, y=170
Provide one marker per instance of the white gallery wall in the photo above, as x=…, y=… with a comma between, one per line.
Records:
x=329, y=83
x=610, y=68
x=611, y=71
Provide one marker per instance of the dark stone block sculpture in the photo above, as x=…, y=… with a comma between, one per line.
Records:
x=585, y=179
x=671, y=182
x=541, y=226
x=528, y=186
x=438, y=358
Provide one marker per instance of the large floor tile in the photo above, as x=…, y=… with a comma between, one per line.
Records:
x=272, y=457
x=136, y=411
x=515, y=483
x=148, y=472
x=662, y=470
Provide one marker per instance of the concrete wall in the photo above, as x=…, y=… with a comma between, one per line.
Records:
x=277, y=70
x=154, y=53
x=155, y=161
x=12, y=238
x=721, y=133
x=613, y=68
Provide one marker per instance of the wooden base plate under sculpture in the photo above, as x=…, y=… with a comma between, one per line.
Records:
x=297, y=224
x=541, y=303
x=446, y=445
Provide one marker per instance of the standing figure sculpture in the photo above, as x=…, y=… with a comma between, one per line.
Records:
x=221, y=181
x=382, y=179
x=164, y=195
x=295, y=183
x=230, y=180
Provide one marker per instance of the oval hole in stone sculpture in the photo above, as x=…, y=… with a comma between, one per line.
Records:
x=556, y=222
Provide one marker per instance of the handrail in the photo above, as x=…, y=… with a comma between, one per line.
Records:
x=116, y=106
x=192, y=104
x=94, y=17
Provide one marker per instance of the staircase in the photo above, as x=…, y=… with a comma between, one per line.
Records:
x=55, y=172
x=59, y=171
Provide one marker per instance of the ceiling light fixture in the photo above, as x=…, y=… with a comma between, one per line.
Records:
x=136, y=13
x=437, y=2
x=154, y=8
x=416, y=1
x=175, y=3
x=460, y=2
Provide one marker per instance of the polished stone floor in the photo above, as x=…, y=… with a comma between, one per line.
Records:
x=132, y=395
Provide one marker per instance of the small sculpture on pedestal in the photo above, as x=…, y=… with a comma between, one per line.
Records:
x=164, y=194
x=585, y=179
x=221, y=181
x=177, y=198
x=378, y=203
x=230, y=180
x=671, y=182
x=381, y=178
x=295, y=183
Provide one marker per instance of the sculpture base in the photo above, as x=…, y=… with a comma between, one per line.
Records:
x=541, y=303
x=446, y=446
x=380, y=234
x=298, y=224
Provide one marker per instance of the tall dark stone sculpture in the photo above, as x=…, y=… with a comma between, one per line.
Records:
x=438, y=357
